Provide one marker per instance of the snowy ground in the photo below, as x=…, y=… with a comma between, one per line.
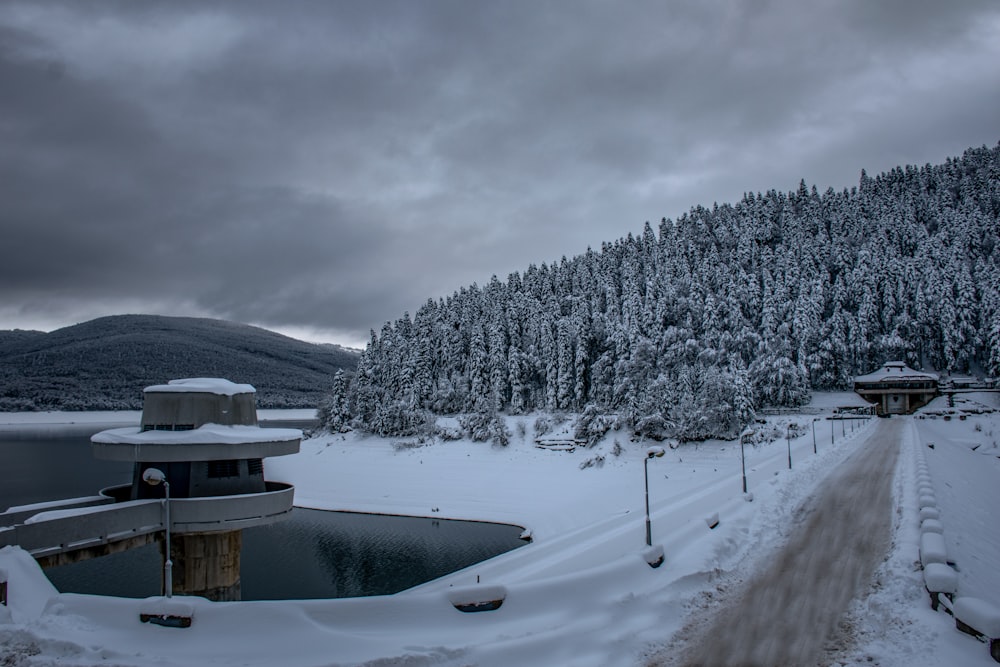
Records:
x=581, y=593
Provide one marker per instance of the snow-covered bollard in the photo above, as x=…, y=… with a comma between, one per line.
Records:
x=979, y=618
x=927, y=500
x=932, y=549
x=938, y=579
x=931, y=526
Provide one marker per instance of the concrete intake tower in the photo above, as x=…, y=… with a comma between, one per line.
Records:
x=203, y=435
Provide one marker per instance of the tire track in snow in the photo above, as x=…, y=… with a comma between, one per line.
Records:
x=792, y=606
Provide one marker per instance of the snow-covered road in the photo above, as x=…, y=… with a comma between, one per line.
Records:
x=794, y=603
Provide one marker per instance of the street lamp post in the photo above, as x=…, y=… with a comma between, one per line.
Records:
x=153, y=477
x=788, y=441
x=743, y=460
x=650, y=453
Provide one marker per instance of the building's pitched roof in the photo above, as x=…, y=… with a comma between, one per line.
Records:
x=896, y=371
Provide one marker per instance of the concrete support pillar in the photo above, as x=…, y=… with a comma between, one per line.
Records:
x=207, y=564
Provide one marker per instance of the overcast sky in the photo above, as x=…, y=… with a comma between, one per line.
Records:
x=318, y=168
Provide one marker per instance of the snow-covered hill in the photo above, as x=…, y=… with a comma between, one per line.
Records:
x=104, y=364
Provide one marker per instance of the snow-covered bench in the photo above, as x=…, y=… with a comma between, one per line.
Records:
x=168, y=612
x=477, y=598
x=931, y=526
x=981, y=619
x=932, y=549
x=559, y=443
x=939, y=579
x=929, y=513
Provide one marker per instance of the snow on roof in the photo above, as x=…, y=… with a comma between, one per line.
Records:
x=209, y=434
x=219, y=386
x=895, y=370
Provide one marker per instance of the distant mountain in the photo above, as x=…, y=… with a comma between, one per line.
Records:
x=104, y=364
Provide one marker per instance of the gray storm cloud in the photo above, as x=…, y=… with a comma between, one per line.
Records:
x=330, y=165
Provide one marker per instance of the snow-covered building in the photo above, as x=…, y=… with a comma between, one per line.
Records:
x=896, y=388
x=202, y=435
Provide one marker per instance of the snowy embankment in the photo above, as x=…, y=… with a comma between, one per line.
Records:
x=579, y=594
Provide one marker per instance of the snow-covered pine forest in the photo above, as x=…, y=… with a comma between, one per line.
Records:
x=686, y=329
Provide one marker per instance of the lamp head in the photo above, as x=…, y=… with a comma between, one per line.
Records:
x=654, y=451
x=153, y=476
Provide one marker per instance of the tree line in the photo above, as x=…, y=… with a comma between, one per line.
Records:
x=687, y=328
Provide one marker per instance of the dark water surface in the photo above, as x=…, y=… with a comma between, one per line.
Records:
x=312, y=554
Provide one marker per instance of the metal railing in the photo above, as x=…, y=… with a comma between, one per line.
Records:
x=70, y=528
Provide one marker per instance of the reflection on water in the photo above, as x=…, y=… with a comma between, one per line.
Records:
x=40, y=469
x=315, y=554
x=312, y=554
x=135, y=573
x=338, y=554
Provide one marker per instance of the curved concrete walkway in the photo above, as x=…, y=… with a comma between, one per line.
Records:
x=793, y=604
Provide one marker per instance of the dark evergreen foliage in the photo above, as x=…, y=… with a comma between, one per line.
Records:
x=104, y=364
x=684, y=330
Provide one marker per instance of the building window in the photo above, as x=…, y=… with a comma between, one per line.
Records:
x=168, y=427
x=217, y=469
x=255, y=467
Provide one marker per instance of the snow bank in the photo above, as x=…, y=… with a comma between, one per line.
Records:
x=28, y=591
